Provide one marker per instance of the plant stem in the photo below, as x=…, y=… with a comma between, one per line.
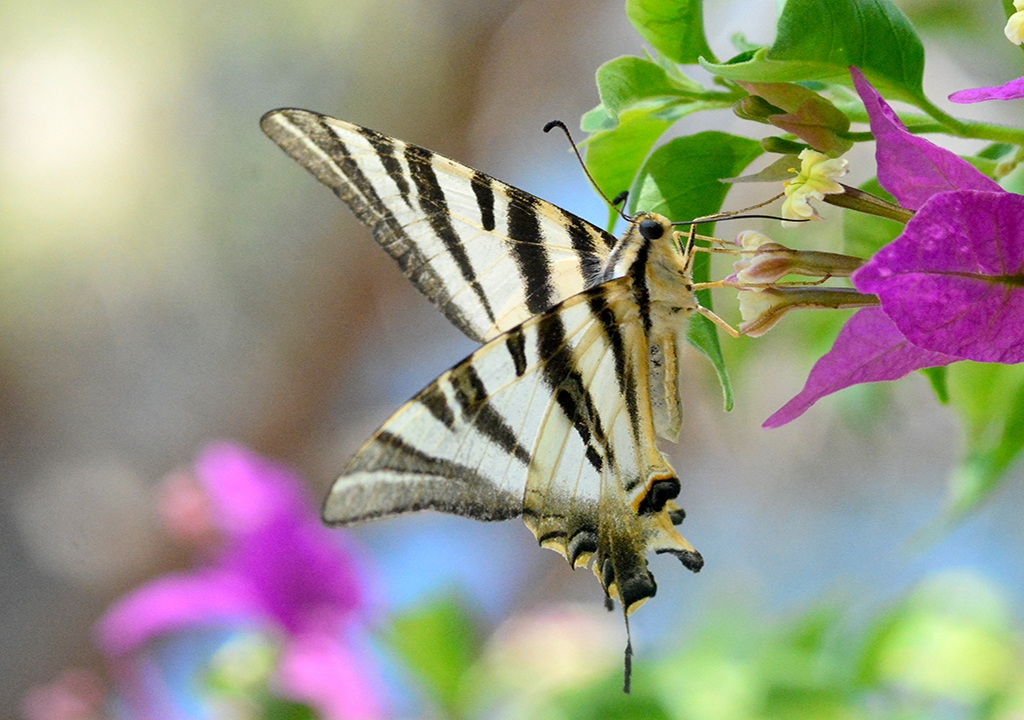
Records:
x=957, y=127
x=995, y=133
x=972, y=130
x=854, y=199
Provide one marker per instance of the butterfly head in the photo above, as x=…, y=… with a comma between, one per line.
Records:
x=659, y=233
x=652, y=226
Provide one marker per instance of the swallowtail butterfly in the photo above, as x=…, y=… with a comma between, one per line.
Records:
x=554, y=418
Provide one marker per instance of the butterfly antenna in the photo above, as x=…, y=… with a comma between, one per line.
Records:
x=619, y=199
x=739, y=215
x=752, y=216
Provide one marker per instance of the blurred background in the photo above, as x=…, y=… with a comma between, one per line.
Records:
x=169, y=277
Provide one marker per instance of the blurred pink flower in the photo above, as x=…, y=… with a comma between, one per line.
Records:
x=276, y=569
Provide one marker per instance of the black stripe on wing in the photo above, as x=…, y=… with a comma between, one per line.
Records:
x=385, y=148
x=473, y=397
x=527, y=248
x=566, y=381
x=624, y=371
x=391, y=477
x=483, y=190
x=516, y=344
x=435, y=206
x=569, y=391
x=592, y=253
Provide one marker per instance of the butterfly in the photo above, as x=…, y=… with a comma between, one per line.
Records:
x=555, y=417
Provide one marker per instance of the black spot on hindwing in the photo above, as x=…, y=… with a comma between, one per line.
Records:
x=660, y=492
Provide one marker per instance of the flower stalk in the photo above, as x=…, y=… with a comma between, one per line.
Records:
x=765, y=261
x=762, y=308
x=853, y=199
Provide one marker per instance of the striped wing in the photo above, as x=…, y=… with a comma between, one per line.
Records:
x=489, y=255
x=550, y=420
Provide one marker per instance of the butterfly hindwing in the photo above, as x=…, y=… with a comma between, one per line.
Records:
x=487, y=254
x=481, y=424
x=547, y=420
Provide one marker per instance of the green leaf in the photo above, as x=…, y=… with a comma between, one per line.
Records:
x=990, y=401
x=674, y=27
x=627, y=80
x=820, y=39
x=703, y=335
x=598, y=119
x=681, y=180
x=273, y=708
x=614, y=156
x=438, y=642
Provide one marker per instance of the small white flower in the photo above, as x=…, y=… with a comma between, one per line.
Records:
x=760, y=311
x=1014, y=29
x=816, y=179
x=755, y=266
x=751, y=240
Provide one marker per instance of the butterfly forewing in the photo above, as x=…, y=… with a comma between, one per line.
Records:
x=487, y=254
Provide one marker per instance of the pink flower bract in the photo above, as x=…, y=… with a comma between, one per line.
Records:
x=882, y=353
x=953, y=281
x=910, y=167
x=1008, y=91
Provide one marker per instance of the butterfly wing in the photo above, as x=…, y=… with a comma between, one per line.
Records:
x=487, y=254
x=550, y=420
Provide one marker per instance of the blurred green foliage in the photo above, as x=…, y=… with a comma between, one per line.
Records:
x=946, y=649
x=438, y=642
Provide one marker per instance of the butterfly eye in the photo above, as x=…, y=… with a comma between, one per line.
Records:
x=651, y=229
